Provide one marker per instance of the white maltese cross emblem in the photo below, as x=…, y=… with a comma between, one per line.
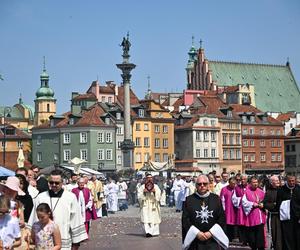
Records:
x=204, y=214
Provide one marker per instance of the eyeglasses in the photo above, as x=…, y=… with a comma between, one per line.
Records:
x=201, y=183
x=54, y=183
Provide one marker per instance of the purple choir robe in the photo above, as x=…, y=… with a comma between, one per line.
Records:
x=89, y=214
x=256, y=216
x=230, y=210
x=242, y=219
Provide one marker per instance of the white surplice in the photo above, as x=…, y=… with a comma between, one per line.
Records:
x=67, y=216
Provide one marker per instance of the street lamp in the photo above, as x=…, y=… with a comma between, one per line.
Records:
x=6, y=111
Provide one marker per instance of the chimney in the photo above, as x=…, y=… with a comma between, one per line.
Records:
x=97, y=91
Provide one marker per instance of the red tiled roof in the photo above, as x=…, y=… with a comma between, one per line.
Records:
x=109, y=89
x=89, y=96
x=239, y=108
x=285, y=116
x=120, y=98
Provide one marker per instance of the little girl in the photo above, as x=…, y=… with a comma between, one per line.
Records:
x=10, y=235
x=45, y=233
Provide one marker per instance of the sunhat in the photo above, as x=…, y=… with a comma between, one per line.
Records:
x=13, y=183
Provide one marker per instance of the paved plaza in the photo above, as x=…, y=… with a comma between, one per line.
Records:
x=123, y=230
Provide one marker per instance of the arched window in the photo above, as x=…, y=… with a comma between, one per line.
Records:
x=48, y=107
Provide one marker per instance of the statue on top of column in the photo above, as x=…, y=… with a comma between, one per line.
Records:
x=126, y=45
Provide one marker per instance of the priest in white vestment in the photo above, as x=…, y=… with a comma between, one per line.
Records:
x=149, y=195
x=111, y=192
x=66, y=212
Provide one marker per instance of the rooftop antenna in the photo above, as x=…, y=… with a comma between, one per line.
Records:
x=201, y=43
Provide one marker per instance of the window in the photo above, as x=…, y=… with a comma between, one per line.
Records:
x=156, y=143
x=198, y=153
x=287, y=148
x=229, y=113
x=103, y=99
x=67, y=154
x=278, y=143
x=100, y=137
x=83, y=154
x=83, y=137
x=109, y=99
x=245, y=143
x=109, y=154
x=141, y=113
x=245, y=131
x=231, y=139
x=213, y=153
x=165, y=143
x=157, y=157
x=146, y=127
x=213, y=123
x=119, y=131
x=237, y=139
x=205, y=122
x=118, y=116
x=198, y=136
x=137, y=127
x=252, y=118
x=39, y=140
x=71, y=121
x=138, y=157
x=251, y=131
x=165, y=129
x=278, y=132
x=107, y=120
x=205, y=151
x=39, y=156
x=272, y=131
x=67, y=138
x=279, y=157
x=100, y=165
x=252, y=158
x=146, y=142
x=262, y=143
x=238, y=154
x=100, y=154
x=213, y=136
x=224, y=139
x=262, y=131
x=230, y=125
x=52, y=123
x=146, y=157
x=252, y=143
x=55, y=156
x=273, y=157
x=262, y=157
x=108, y=137
x=272, y=143
x=231, y=154
x=48, y=107
x=119, y=144
x=245, y=157
x=225, y=154
x=165, y=157
x=293, y=148
x=205, y=136
x=156, y=128
x=138, y=141
x=19, y=144
x=119, y=159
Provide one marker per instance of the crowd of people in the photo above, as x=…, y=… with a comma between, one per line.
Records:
x=56, y=213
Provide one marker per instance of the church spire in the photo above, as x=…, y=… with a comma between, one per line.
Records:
x=149, y=92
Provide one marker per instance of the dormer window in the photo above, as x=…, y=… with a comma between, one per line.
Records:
x=107, y=120
x=141, y=113
x=205, y=122
x=118, y=116
x=52, y=123
x=71, y=121
x=252, y=118
x=229, y=113
x=244, y=119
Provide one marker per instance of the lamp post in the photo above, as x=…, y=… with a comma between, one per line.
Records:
x=6, y=111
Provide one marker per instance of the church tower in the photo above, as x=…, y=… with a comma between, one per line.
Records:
x=45, y=104
x=190, y=72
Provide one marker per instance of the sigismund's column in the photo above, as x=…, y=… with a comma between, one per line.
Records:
x=127, y=145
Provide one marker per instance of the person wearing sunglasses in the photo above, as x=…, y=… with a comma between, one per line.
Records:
x=204, y=211
x=65, y=210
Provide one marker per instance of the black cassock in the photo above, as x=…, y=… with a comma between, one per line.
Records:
x=290, y=228
x=203, y=213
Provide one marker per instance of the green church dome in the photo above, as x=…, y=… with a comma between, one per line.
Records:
x=44, y=92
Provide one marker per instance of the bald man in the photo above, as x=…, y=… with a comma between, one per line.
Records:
x=269, y=203
x=203, y=210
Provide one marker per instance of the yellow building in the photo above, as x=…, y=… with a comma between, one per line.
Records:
x=153, y=134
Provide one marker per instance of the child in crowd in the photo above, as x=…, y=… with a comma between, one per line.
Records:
x=10, y=235
x=45, y=233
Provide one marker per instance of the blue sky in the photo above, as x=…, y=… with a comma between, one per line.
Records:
x=80, y=40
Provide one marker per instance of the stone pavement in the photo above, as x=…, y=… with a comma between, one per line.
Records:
x=123, y=230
